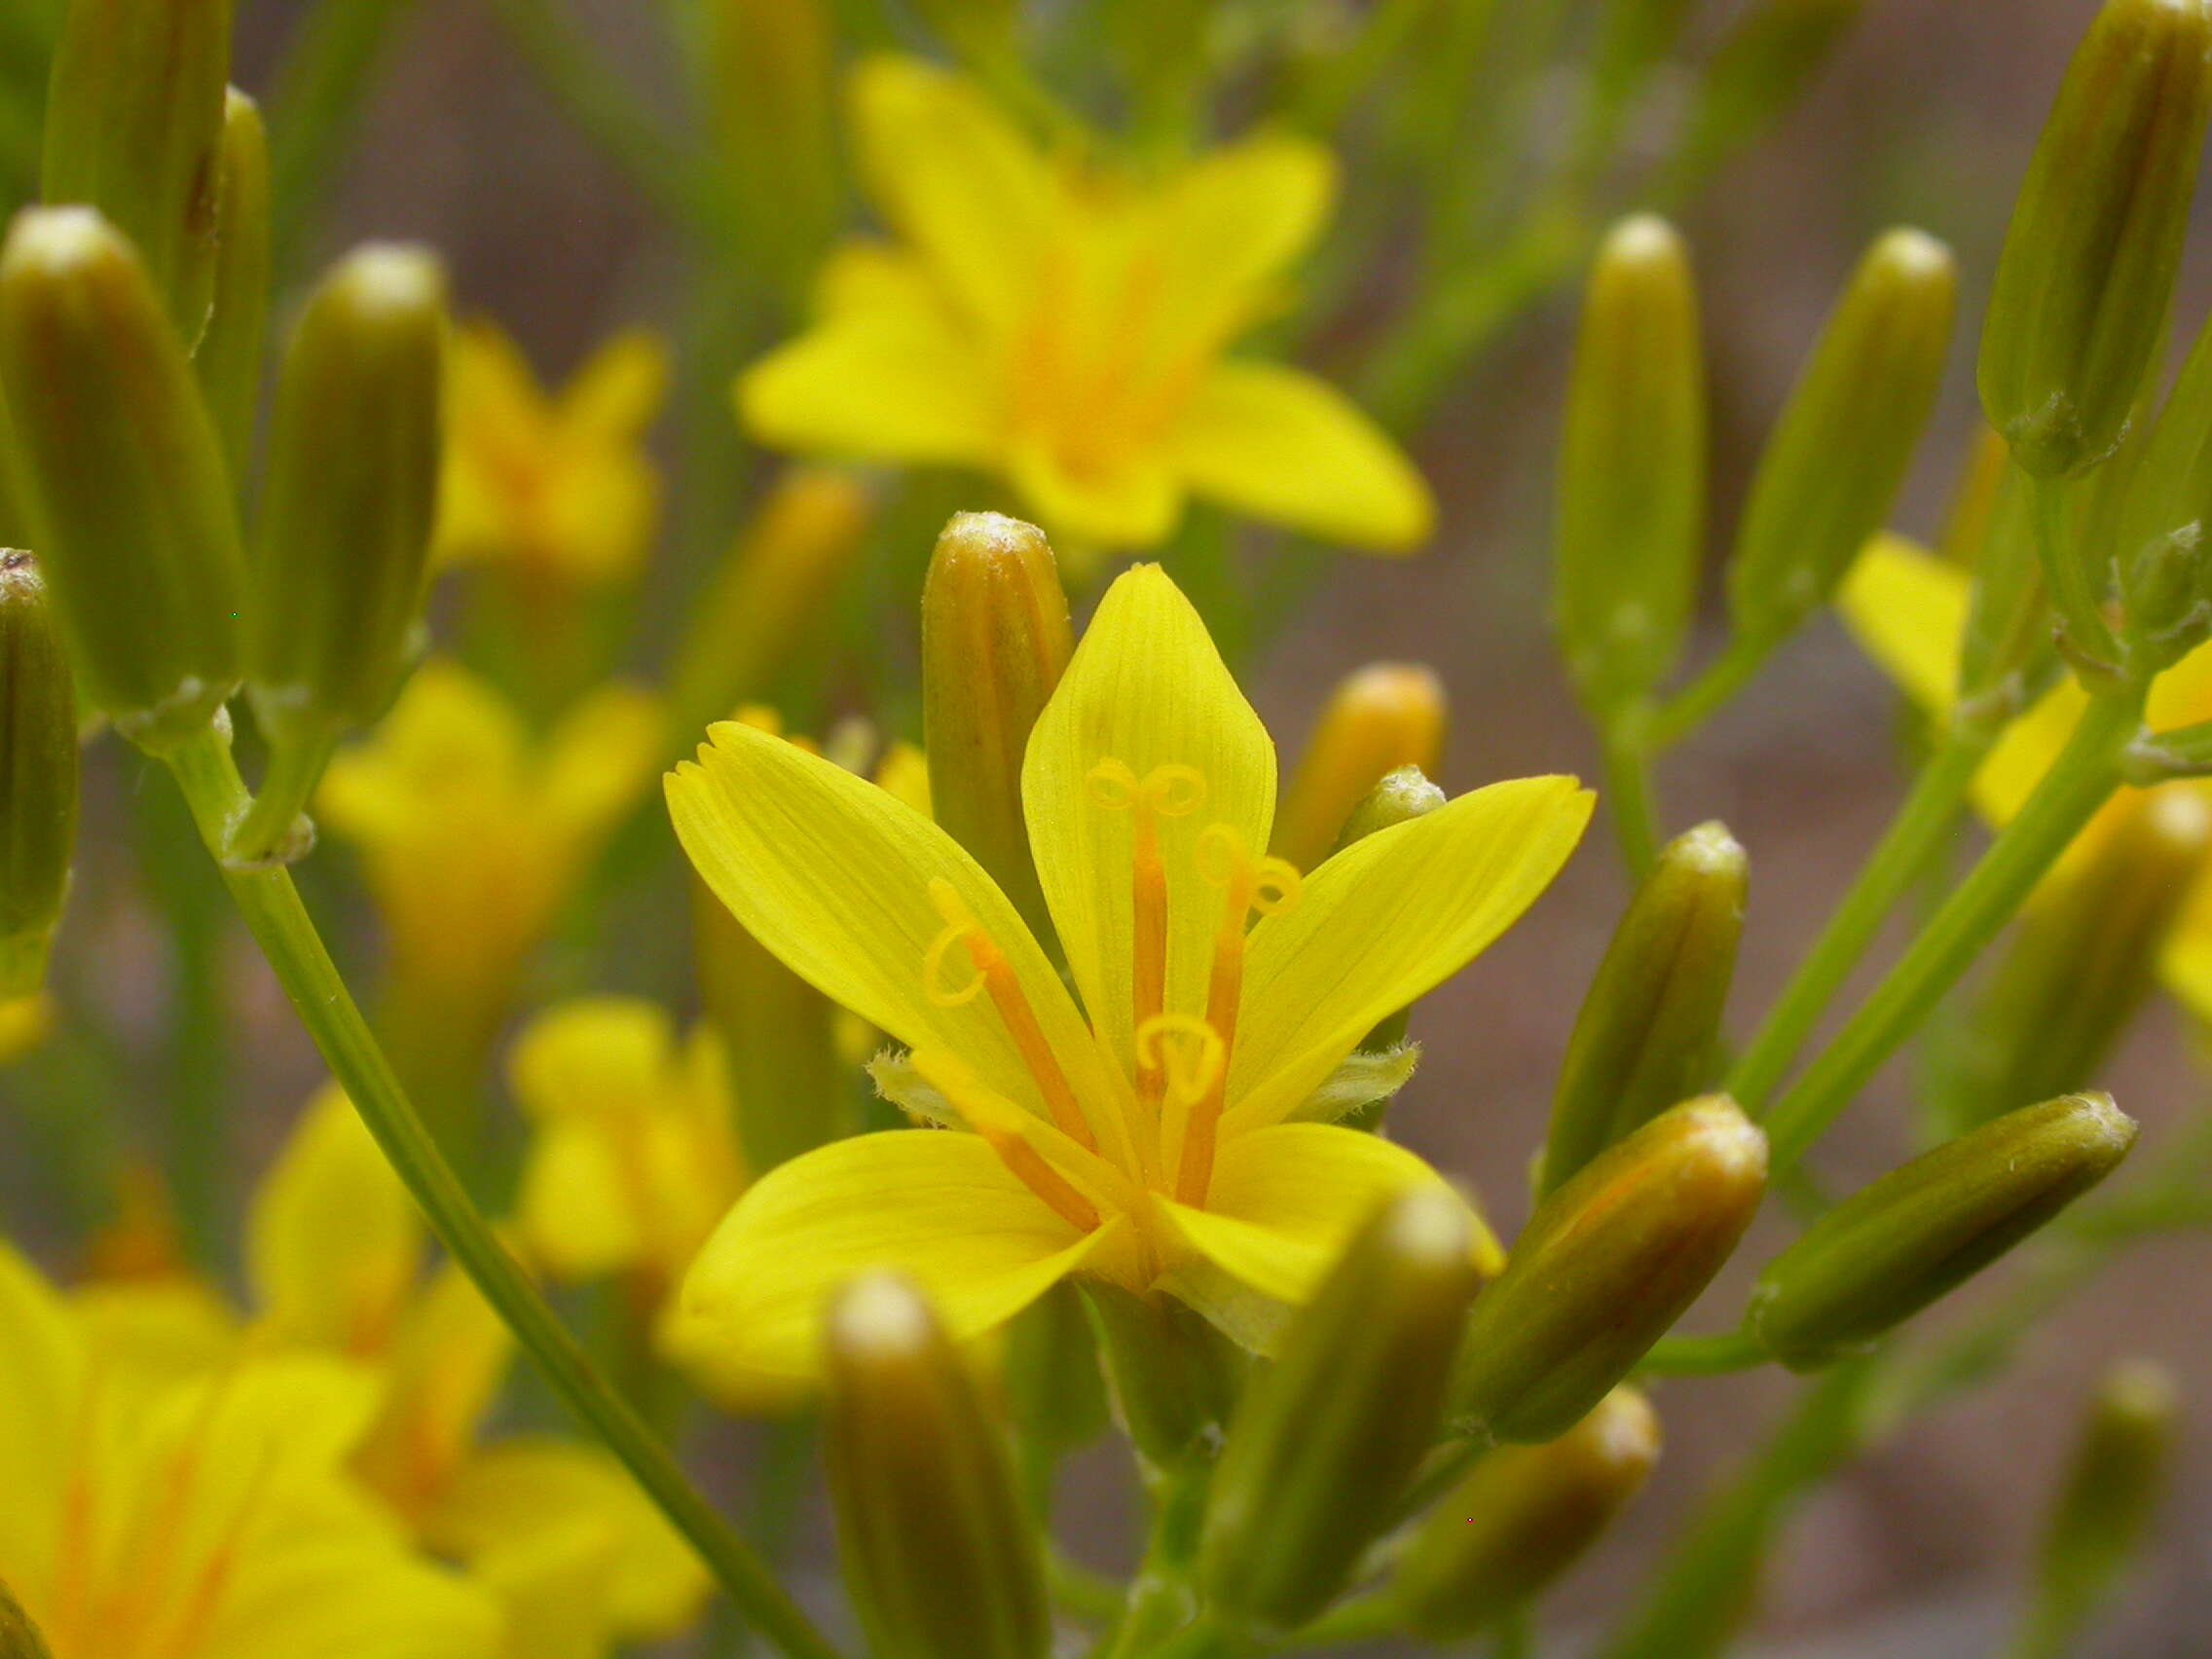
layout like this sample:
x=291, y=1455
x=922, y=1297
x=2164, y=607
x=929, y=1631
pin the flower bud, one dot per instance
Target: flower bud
x=2081, y=288
x=38, y=783
x=1839, y=451
x=766, y=599
x=2161, y=542
x=937, y=1551
x=1645, y=1037
x=1171, y=1376
x=2081, y=962
x=351, y=492
x=1383, y=716
x=2117, y=1480
x=995, y=641
x=1632, y=470
x=122, y=475
x=1895, y=1246
x=135, y=127
x=1324, y=1442
x=1756, y=72
x=1606, y=1266
x=229, y=358
x=1521, y=1519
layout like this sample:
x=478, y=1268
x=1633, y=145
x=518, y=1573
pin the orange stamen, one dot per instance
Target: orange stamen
x=1170, y=790
x=1006, y=1129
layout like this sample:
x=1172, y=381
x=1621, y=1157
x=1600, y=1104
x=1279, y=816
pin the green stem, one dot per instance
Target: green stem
x=1919, y=828
x=1704, y=1356
x=1697, y=702
x=287, y=936
x=1095, y=1597
x=2080, y=781
x=2074, y=590
x=270, y=827
x=1626, y=767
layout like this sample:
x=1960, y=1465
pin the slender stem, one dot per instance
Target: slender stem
x=2074, y=591
x=1626, y=767
x=1704, y=1356
x=1365, y=1618
x=2080, y=781
x=1921, y=825
x=1095, y=1597
x=287, y=936
x=270, y=829
x=1697, y=702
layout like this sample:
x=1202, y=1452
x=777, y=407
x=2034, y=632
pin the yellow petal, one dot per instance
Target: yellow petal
x=1386, y=920
x=1287, y=1199
x=1145, y=689
x=1908, y=610
x=575, y=1210
x=593, y=1058
x=2187, y=966
x=447, y=1366
x=2183, y=695
x=651, y=1584
x=957, y=180
x=1132, y=503
x=333, y=1242
x=157, y=1332
x=873, y=385
x=1279, y=444
x=1234, y=221
x=834, y=874
x=934, y=1204
x=41, y=1387
x=614, y=396
x=598, y=760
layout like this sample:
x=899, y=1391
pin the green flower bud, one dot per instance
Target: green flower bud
x=229, y=358
x=345, y=532
x=1896, y=1245
x=1758, y=70
x=122, y=475
x=1606, y=1266
x=135, y=127
x=1324, y=1442
x=2081, y=962
x=2161, y=527
x=1171, y=1376
x=2081, y=288
x=1839, y=451
x=1631, y=470
x=1644, y=1038
x=38, y=783
x=2113, y=1491
x=937, y=1553
x=1521, y=1519
x=1383, y=716
x=995, y=642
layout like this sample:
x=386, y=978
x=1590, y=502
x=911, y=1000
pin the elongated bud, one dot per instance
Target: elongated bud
x=779, y=1035
x=1385, y=715
x=2114, y=1488
x=229, y=358
x=1524, y=1516
x=937, y=1553
x=351, y=495
x=135, y=127
x=2162, y=545
x=38, y=780
x=1632, y=470
x=995, y=642
x=1645, y=1034
x=122, y=475
x=1895, y=1246
x=2081, y=962
x=1171, y=1376
x=1837, y=454
x=768, y=599
x=2007, y=654
x=2083, y=285
x=1760, y=69
x=772, y=76
x=1323, y=1444
x=1606, y=1266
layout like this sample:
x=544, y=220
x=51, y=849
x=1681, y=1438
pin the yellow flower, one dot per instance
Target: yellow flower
x=205, y=1516
x=335, y=1254
x=634, y=1158
x=1065, y=325
x=1161, y=1134
x=473, y=833
x=558, y=486
x=1908, y=611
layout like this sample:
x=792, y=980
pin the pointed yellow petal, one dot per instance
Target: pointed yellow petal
x=1234, y=222
x=1133, y=503
x=934, y=1204
x=1145, y=689
x=39, y=1389
x=1383, y=922
x=576, y=1213
x=593, y=1058
x=1287, y=1199
x=333, y=1242
x=2187, y=967
x=1908, y=610
x=1279, y=444
x=447, y=1364
x=957, y=180
x=2183, y=695
x=834, y=874
x=873, y=385
x=614, y=396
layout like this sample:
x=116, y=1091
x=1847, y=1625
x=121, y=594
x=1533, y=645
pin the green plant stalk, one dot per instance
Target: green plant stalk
x=2080, y=781
x=279, y=924
x=1626, y=767
x=1918, y=829
x=1704, y=1356
x=1705, y=695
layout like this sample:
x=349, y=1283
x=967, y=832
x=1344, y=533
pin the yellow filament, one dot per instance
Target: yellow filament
x=994, y=973
x=1169, y=791
x=1001, y=1127
x=1191, y=1068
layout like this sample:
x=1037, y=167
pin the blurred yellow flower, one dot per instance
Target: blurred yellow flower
x=1908, y=610
x=473, y=833
x=207, y=1516
x=24, y=1022
x=1066, y=323
x=1161, y=1135
x=634, y=1153
x=558, y=486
